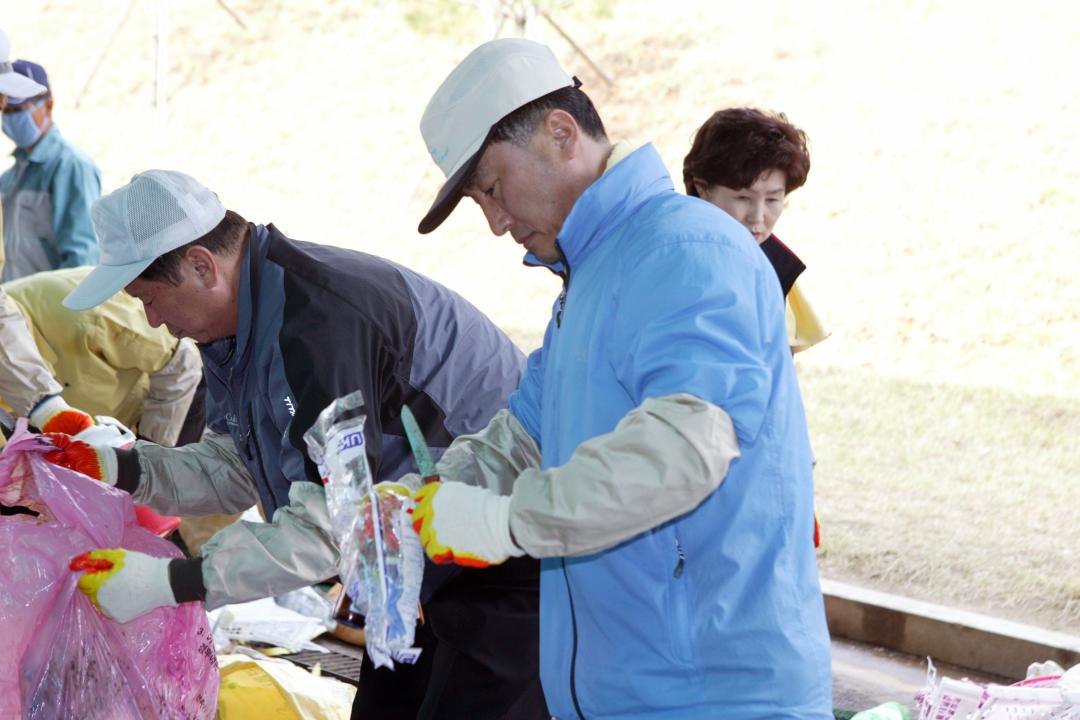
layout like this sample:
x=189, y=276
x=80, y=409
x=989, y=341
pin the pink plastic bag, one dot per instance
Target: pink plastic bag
x=59, y=657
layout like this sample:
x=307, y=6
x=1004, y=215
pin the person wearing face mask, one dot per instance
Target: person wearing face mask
x=746, y=162
x=48, y=192
x=27, y=384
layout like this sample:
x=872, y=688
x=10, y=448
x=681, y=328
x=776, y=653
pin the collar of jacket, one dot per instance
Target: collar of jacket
x=46, y=149
x=786, y=263
x=606, y=204
x=233, y=351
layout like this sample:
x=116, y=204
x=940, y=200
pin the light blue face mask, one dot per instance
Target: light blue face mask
x=20, y=126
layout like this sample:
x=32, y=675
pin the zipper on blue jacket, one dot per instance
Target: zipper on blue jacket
x=258, y=459
x=565, y=286
x=573, y=652
x=681, y=565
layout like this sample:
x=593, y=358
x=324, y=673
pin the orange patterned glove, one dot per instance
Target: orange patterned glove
x=97, y=463
x=463, y=524
x=53, y=415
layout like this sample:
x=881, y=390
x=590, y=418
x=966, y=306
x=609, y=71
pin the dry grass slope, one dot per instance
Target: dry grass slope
x=940, y=222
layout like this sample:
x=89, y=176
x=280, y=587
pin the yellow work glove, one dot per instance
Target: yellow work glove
x=53, y=415
x=464, y=524
x=124, y=584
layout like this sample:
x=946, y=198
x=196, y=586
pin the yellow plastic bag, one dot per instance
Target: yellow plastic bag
x=256, y=689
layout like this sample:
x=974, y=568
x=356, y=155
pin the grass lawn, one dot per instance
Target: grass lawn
x=940, y=221
x=953, y=495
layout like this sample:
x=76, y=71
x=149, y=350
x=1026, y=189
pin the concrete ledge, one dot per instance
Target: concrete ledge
x=971, y=640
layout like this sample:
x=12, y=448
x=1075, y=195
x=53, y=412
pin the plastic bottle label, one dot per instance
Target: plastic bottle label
x=348, y=452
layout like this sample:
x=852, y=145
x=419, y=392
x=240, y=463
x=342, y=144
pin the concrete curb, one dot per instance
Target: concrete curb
x=971, y=640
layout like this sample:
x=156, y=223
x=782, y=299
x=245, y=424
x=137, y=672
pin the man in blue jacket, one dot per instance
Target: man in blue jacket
x=284, y=328
x=655, y=453
x=48, y=192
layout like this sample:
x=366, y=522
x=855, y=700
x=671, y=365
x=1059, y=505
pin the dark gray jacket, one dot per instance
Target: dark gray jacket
x=315, y=323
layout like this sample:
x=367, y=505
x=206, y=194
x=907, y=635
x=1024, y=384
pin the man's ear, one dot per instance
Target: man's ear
x=702, y=187
x=205, y=265
x=564, y=131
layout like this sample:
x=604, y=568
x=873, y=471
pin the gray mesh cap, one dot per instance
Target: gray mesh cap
x=158, y=211
x=491, y=82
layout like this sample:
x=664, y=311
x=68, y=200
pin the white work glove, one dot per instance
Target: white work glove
x=464, y=524
x=107, y=432
x=54, y=415
x=124, y=584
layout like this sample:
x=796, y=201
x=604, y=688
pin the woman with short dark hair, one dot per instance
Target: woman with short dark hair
x=746, y=162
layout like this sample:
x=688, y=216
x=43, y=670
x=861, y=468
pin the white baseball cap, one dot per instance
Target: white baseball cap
x=490, y=83
x=158, y=211
x=12, y=83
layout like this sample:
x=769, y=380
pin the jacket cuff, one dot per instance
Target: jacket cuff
x=185, y=577
x=128, y=469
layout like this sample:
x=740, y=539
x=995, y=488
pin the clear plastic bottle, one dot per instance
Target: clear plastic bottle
x=382, y=561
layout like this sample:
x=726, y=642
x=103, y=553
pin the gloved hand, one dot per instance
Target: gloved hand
x=53, y=415
x=107, y=431
x=464, y=524
x=124, y=584
x=96, y=462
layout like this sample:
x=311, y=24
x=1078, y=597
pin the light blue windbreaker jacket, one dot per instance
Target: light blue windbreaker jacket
x=718, y=613
x=47, y=196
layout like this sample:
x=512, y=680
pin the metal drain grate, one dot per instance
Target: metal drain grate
x=342, y=662
x=341, y=667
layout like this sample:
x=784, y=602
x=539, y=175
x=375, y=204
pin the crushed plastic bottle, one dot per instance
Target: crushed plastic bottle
x=382, y=561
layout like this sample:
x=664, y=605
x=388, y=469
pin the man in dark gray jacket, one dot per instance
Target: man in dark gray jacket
x=285, y=327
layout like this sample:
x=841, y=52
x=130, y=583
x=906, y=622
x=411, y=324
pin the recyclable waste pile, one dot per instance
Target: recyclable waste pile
x=382, y=561
x=1047, y=693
